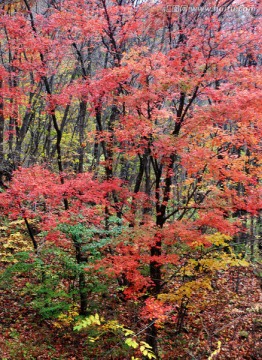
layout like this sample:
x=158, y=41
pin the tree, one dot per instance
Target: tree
x=160, y=112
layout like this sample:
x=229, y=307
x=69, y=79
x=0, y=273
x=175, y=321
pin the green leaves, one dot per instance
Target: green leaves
x=92, y=239
x=132, y=343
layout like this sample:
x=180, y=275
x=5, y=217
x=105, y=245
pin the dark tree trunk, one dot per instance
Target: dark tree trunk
x=2, y=124
x=81, y=129
x=81, y=280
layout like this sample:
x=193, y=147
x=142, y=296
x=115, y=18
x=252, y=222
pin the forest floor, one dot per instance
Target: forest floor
x=231, y=313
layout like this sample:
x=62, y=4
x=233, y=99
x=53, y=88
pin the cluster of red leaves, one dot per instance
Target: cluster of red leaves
x=39, y=193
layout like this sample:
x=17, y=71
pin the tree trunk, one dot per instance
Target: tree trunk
x=2, y=124
x=81, y=129
x=81, y=280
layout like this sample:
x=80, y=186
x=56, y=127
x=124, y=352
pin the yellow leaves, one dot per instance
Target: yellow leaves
x=189, y=269
x=212, y=265
x=90, y=320
x=112, y=326
x=221, y=260
x=146, y=350
x=66, y=320
x=16, y=5
x=14, y=239
x=216, y=352
x=238, y=262
x=17, y=222
x=221, y=263
x=132, y=343
x=144, y=347
x=14, y=243
x=7, y=258
x=128, y=332
x=187, y=290
x=134, y=55
x=94, y=319
x=218, y=239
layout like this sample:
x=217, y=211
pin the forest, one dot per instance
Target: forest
x=130, y=179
